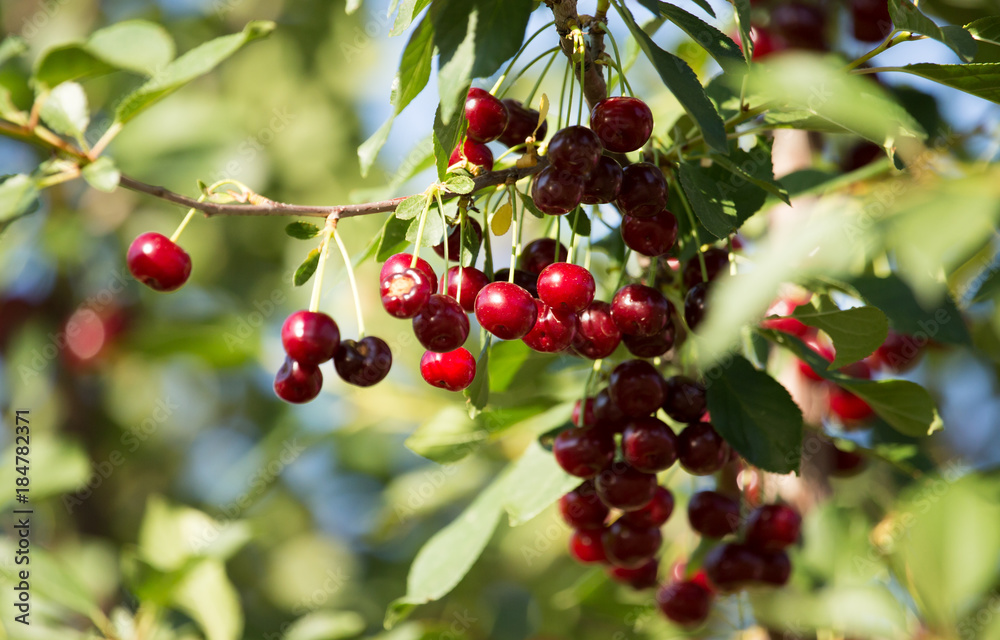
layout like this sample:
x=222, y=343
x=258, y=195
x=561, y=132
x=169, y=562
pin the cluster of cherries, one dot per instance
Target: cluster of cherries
x=782, y=25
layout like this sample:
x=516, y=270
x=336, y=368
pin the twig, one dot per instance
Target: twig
x=566, y=18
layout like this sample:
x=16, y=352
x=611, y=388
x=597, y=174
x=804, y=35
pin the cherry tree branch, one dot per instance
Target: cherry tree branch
x=566, y=18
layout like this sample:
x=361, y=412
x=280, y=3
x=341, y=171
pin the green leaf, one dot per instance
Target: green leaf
x=896, y=299
x=302, y=230
x=433, y=230
x=684, y=84
x=744, y=173
x=907, y=17
x=393, y=238
x=721, y=205
x=102, y=174
x=529, y=205
x=326, y=625
x=65, y=110
x=904, y=405
x=460, y=184
x=448, y=436
x=718, y=45
x=455, y=38
x=985, y=29
x=446, y=138
x=193, y=64
x=742, y=8
x=307, y=268
x=579, y=222
x=207, y=595
x=478, y=393
x=535, y=483
x=17, y=195
x=369, y=149
x=756, y=415
x=414, y=67
x=471, y=244
x=11, y=47
x=981, y=80
x=505, y=362
x=412, y=207
x=408, y=10
x=856, y=333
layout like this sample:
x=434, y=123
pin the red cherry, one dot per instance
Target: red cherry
x=686, y=604
x=846, y=463
x=799, y=26
x=713, y=515
x=606, y=413
x=441, y=326
x=716, y=263
x=521, y=123
x=556, y=191
x=597, y=336
x=310, y=337
x=898, y=353
x=636, y=387
x=363, y=363
x=589, y=417
x=506, y=310
x=566, y=286
x=157, y=262
x=653, y=236
x=871, y=20
x=453, y=371
x=472, y=280
x=640, y=310
x=764, y=42
x=525, y=280
x=651, y=346
x=621, y=486
x=793, y=326
x=487, y=116
x=643, y=577
x=731, y=566
x=631, y=547
x=777, y=568
x=848, y=407
x=455, y=239
x=694, y=305
x=581, y=508
x=623, y=124
x=587, y=547
x=475, y=153
x=773, y=527
x=654, y=514
x=404, y=294
x=583, y=452
x=603, y=183
x=576, y=150
x=540, y=253
x=701, y=450
x=649, y=444
x=553, y=330
x=401, y=262
x=684, y=399
x=644, y=190
x=297, y=383
x=824, y=351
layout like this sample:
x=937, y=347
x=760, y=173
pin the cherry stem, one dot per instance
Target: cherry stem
x=444, y=240
x=624, y=273
x=581, y=419
x=573, y=236
x=324, y=251
x=462, y=215
x=622, y=80
x=562, y=96
x=487, y=242
x=583, y=78
x=515, y=248
x=184, y=223
x=515, y=149
x=420, y=233
x=891, y=40
x=538, y=82
x=520, y=52
x=351, y=279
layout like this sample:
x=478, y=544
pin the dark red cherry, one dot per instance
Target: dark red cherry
x=606, y=413
x=644, y=190
x=566, y=286
x=441, y=326
x=603, y=183
x=686, y=604
x=800, y=26
x=455, y=239
x=521, y=122
x=557, y=191
x=540, y=253
x=652, y=346
x=401, y=262
x=644, y=577
x=581, y=508
x=453, y=371
x=310, y=337
x=772, y=527
x=472, y=282
x=587, y=546
x=731, y=566
x=636, y=387
x=575, y=149
x=405, y=293
x=623, y=124
x=589, y=417
x=649, y=444
x=621, y=486
x=684, y=399
x=297, y=383
x=846, y=463
x=553, y=330
x=158, y=262
x=597, y=336
x=777, y=568
x=363, y=363
x=870, y=20
x=584, y=452
x=898, y=353
x=716, y=262
x=713, y=515
x=653, y=236
x=475, y=153
x=654, y=514
x=525, y=280
x=860, y=154
x=701, y=450
x=506, y=310
x=487, y=116
x=849, y=408
x=694, y=305
x=640, y=310
x=631, y=547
